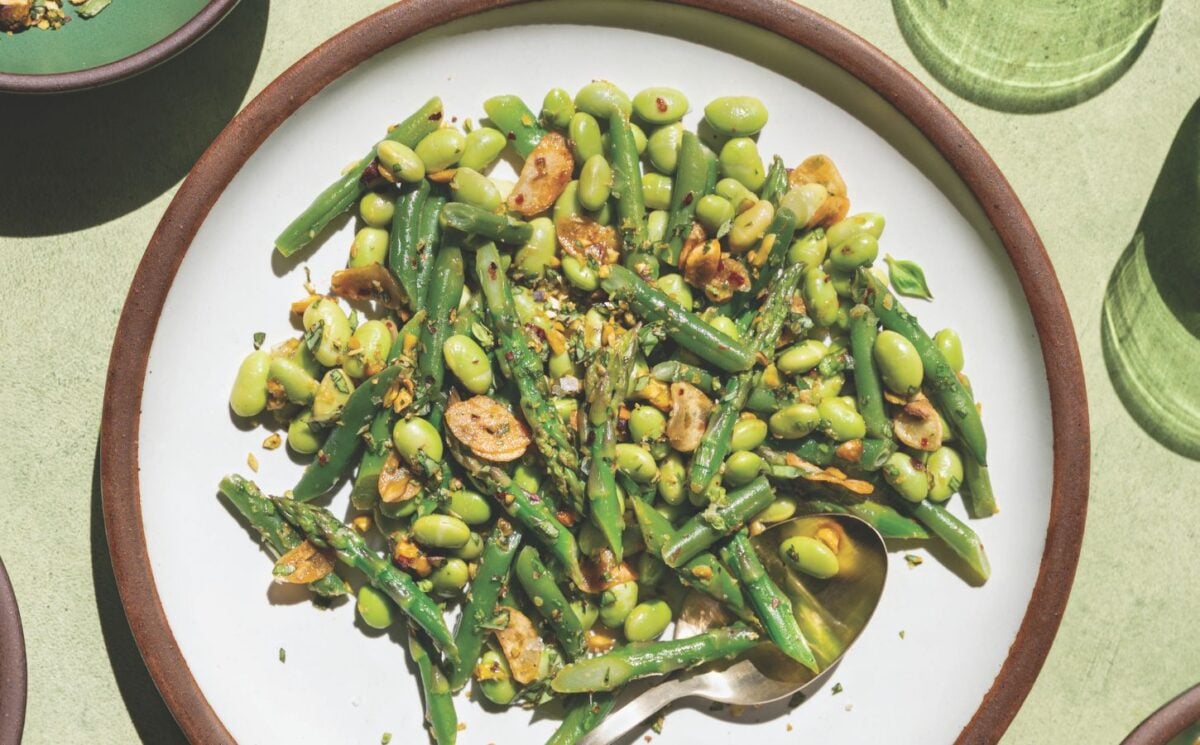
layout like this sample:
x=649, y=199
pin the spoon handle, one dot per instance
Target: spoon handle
x=640, y=708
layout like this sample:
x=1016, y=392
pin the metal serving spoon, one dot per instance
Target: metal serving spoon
x=832, y=613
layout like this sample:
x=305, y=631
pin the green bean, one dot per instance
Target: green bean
x=627, y=183
x=378, y=438
x=952, y=532
x=402, y=248
x=702, y=531
x=335, y=456
x=512, y=117
x=693, y=180
x=439, y=701
x=444, y=294
x=338, y=197
x=885, y=519
x=773, y=607
x=277, y=535
x=584, y=714
x=482, y=148
x=428, y=240
x=867, y=384
x=638, y=660
x=776, y=182
x=491, y=577
x=543, y=592
x=977, y=494
x=943, y=385
x=684, y=328
x=326, y=530
x=475, y=221
x=707, y=459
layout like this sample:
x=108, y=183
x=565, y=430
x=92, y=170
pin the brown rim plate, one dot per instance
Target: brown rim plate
x=214, y=171
x=1169, y=722
x=12, y=665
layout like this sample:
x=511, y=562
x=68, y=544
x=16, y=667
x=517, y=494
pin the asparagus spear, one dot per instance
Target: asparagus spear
x=321, y=526
x=641, y=659
x=278, y=536
x=584, y=714
x=490, y=580
x=439, y=701
x=606, y=381
x=706, y=528
x=543, y=592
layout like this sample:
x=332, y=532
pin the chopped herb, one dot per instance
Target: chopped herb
x=908, y=278
x=339, y=381
x=312, y=337
x=353, y=321
x=387, y=737
x=901, y=634
x=259, y=338
x=837, y=688
x=282, y=654
x=658, y=724
x=913, y=560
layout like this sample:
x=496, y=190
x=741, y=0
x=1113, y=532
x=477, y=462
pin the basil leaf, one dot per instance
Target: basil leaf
x=312, y=337
x=908, y=279
x=259, y=338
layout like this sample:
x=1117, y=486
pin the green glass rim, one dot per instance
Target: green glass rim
x=153, y=55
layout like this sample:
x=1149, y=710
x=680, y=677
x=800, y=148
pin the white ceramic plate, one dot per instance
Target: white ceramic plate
x=919, y=672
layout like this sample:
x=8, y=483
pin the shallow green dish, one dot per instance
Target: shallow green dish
x=128, y=37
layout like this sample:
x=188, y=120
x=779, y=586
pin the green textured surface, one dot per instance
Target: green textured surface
x=1084, y=174
x=123, y=28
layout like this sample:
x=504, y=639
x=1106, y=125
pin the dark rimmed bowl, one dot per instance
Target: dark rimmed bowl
x=12, y=665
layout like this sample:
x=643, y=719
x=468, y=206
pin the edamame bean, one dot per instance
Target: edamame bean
x=726, y=325
x=647, y=424
x=376, y=209
x=742, y=467
x=858, y=250
x=440, y=531
x=472, y=187
x=809, y=249
x=810, y=556
x=298, y=385
x=674, y=287
x=840, y=420
x=591, y=540
x=585, y=137
x=601, y=98
x=738, y=195
x=800, y=358
x=748, y=433
x=863, y=222
x=663, y=147
x=945, y=469
x=374, y=607
x=777, y=511
x=370, y=246
x=651, y=571
x=567, y=205
x=528, y=476
x=671, y=480
x=401, y=161
x=713, y=211
x=827, y=387
x=907, y=476
x=495, y=678
x=899, y=363
x=740, y=160
x=561, y=365
x=660, y=105
x=331, y=396
x=450, y=578
x=471, y=550
x=368, y=350
x=750, y=226
x=441, y=149
x=647, y=621
x=639, y=139
x=325, y=320
x=469, y=363
x=470, y=507
x=656, y=188
x=249, y=394
x=595, y=183
x=414, y=435
x=736, y=116
x=580, y=275
x=794, y=421
x=616, y=602
x=656, y=225
x=534, y=256
x=674, y=513
x=302, y=438
x=636, y=462
x=948, y=343
x=557, y=108
x=820, y=297
x=482, y=147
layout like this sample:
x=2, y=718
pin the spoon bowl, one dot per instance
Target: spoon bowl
x=832, y=613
